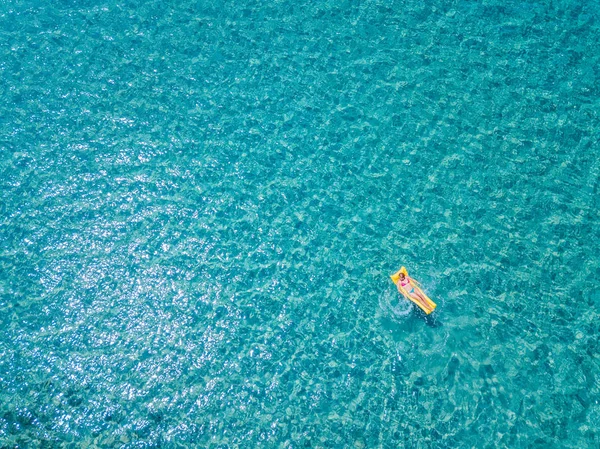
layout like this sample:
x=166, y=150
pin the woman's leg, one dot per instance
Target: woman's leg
x=420, y=295
x=420, y=299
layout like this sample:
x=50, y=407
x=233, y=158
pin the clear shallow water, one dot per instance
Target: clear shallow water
x=201, y=205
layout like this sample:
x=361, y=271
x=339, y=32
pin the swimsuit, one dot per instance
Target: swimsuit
x=412, y=289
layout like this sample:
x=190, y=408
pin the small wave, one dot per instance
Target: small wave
x=393, y=305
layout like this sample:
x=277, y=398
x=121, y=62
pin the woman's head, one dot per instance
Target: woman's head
x=401, y=276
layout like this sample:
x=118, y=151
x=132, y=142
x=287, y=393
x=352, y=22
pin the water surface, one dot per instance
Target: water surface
x=202, y=203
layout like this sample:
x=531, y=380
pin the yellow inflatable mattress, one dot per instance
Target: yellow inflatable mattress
x=427, y=306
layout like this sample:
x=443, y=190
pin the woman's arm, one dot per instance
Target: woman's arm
x=413, y=280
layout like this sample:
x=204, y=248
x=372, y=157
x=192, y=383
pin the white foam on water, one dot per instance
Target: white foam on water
x=394, y=306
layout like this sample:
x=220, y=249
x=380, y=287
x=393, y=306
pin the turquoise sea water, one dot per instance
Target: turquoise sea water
x=201, y=204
